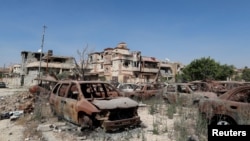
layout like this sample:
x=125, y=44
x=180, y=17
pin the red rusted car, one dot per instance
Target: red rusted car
x=231, y=108
x=93, y=104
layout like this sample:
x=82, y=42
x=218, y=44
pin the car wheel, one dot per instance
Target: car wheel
x=223, y=120
x=85, y=122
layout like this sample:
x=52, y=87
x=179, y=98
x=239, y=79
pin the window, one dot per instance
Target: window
x=62, y=90
x=73, y=92
x=126, y=63
x=242, y=96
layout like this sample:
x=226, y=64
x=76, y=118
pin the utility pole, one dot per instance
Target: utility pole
x=41, y=51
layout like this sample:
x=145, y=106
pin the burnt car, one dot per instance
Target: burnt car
x=185, y=94
x=44, y=86
x=231, y=108
x=145, y=91
x=220, y=87
x=201, y=86
x=92, y=104
x=126, y=87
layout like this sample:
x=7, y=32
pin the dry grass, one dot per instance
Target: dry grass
x=164, y=122
x=188, y=123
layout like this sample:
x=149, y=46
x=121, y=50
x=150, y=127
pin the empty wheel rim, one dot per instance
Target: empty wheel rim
x=223, y=123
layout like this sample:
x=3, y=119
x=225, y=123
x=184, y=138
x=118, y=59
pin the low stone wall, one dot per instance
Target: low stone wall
x=15, y=82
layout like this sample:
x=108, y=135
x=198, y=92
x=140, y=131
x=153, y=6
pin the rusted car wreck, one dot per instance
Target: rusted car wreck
x=92, y=104
x=218, y=87
x=185, y=94
x=231, y=108
x=145, y=91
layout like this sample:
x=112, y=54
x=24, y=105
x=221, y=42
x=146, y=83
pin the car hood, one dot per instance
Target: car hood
x=121, y=102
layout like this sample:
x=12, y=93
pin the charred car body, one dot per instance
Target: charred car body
x=93, y=104
x=218, y=87
x=145, y=91
x=184, y=94
x=127, y=87
x=231, y=108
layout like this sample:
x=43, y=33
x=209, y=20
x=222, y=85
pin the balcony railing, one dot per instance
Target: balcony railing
x=155, y=70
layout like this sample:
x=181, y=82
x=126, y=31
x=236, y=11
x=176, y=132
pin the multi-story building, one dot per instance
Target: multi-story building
x=37, y=63
x=31, y=63
x=112, y=64
x=119, y=64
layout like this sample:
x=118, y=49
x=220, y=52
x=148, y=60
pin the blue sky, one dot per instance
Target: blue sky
x=180, y=30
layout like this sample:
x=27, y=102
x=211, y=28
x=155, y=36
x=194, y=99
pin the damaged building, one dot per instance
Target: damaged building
x=121, y=65
x=32, y=66
x=112, y=64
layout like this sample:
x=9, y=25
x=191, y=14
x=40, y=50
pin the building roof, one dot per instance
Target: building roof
x=50, y=65
x=150, y=59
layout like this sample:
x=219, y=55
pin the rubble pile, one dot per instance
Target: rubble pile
x=16, y=104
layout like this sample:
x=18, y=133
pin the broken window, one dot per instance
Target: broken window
x=73, y=92
x=242, y=96
x=62, y=90
x=126, y=63
x=90, y=59
x=86, y=90
x=98, y=91
x=170, y=88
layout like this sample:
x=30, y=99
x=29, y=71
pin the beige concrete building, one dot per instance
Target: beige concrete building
x=31, y=63
x=119, y=64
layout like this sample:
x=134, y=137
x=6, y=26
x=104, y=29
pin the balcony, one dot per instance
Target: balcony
x=107, y=62
x=135, y=68
x=154, y=70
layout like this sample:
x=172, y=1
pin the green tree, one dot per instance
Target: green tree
x=246, y=74
x=225, y=72
x=206, y=69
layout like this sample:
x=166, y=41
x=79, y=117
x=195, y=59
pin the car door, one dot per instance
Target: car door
x=69, y=102
x=171, y=94
x=153, y=90
x=239, y=106
x=56, y=98
x=62, y=100
x=185, y=95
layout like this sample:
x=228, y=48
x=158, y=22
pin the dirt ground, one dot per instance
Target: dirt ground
x=155, y=127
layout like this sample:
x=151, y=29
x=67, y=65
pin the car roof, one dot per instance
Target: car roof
x=82, y=81
x=229, y=93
